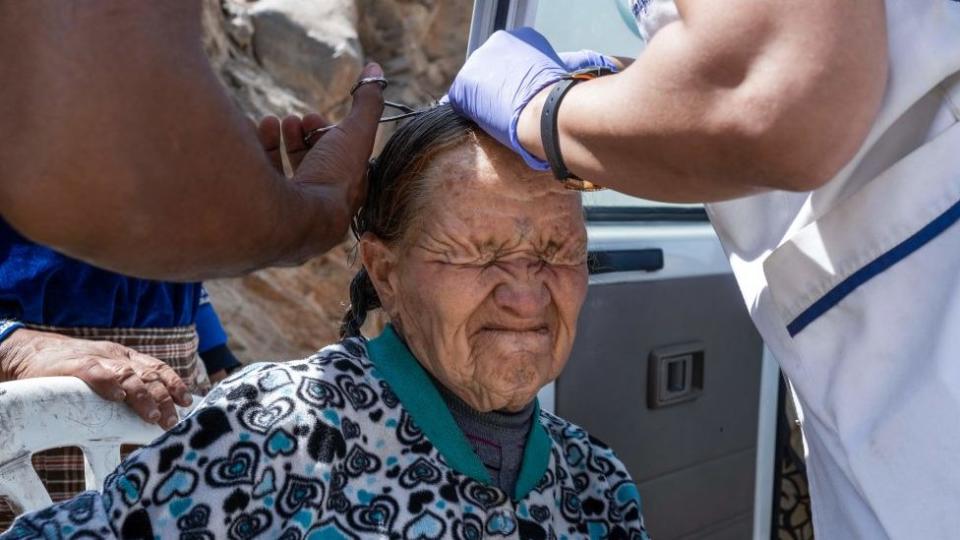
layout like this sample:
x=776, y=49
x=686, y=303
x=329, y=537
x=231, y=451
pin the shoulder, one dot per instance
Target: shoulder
x=333, y=383
x=304, y=378
x=585, y=456
x=581, y=450
x=563, y=432
x=595, y=471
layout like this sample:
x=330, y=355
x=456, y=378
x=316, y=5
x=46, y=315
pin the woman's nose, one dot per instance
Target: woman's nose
x=525, y=297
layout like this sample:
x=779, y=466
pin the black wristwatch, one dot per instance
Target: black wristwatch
x=550, y=136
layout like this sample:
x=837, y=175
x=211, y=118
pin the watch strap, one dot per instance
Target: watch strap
x=549, y=134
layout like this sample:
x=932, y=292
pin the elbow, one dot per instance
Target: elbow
x=810, y=177
x=797, y=167
x=804, y=160
x=801, y=136
x=799, y=150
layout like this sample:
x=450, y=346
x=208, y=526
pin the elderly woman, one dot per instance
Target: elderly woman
x=431, y=430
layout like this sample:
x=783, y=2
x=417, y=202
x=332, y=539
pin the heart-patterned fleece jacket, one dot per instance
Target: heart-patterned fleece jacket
x=353, y=442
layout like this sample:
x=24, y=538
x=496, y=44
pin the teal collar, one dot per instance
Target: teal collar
x=394, y=362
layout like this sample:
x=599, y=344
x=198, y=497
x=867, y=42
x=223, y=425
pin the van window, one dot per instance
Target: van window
x=572, y=25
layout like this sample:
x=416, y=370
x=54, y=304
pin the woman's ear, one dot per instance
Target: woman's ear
x=380, y=261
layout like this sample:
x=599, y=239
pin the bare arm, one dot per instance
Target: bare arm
x=737, y=97
x=119, y=147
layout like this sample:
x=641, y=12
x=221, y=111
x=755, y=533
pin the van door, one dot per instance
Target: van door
x=668, y=368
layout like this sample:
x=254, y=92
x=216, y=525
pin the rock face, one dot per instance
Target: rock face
x=310, y=47
x=295, y=56
x=420, y=44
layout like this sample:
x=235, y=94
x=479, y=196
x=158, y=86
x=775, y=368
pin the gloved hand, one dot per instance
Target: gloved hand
x=577, y=60
x=504, y=74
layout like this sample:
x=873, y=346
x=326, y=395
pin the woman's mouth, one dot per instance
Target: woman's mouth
x=518, y=329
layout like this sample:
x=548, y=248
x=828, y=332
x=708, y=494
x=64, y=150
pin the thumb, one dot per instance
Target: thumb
x=340, y=157
x=360, y=125
x=577, y=60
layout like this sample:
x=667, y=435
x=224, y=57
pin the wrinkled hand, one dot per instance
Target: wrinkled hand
x=114, y=372
x=504, y=74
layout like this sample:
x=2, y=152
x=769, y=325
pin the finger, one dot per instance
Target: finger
x=168, y=377
x=577, y=60
x=355, y=134
x=164, y=385
x=160, y=394
x=366, y=109
x=358, y=131
x=139, y=397
x=100, y=379
x=293, y=142
x=268, y=132
x=312, y=122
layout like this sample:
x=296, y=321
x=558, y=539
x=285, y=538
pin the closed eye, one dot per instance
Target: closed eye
x=564, y=260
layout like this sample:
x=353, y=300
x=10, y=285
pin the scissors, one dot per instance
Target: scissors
x=405, y=110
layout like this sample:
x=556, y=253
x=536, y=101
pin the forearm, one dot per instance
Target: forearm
x=183, y=231
x=731, y=101
x=123, y=150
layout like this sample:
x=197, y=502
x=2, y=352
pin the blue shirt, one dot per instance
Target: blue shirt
x=41, y=286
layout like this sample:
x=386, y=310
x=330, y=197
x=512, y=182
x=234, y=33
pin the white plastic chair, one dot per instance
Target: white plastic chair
x=53, y=412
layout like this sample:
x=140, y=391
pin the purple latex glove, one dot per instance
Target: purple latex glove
x=504, y=74
x=577, y=60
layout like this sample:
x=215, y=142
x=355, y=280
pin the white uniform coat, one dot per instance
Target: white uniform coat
x=855, y=287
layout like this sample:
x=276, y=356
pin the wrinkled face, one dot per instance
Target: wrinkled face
x=487, y=288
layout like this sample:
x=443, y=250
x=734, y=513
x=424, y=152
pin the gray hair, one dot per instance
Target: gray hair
x=395, y=193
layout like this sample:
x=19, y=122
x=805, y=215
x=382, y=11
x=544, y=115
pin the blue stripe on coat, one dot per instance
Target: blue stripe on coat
x=874, y=268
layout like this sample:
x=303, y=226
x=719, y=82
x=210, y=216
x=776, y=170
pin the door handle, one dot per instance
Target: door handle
x=631, y=260
x=675, y=375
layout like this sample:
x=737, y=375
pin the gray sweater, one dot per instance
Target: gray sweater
x=498, y=437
